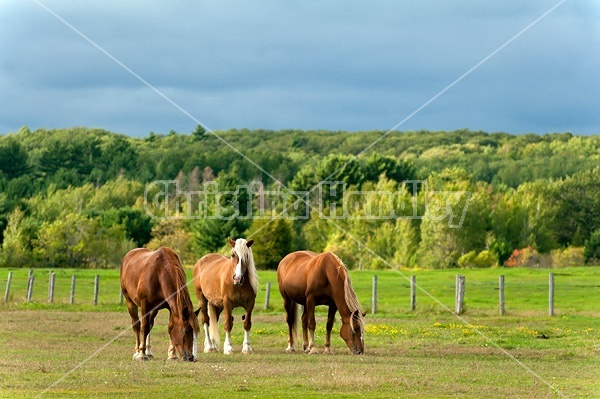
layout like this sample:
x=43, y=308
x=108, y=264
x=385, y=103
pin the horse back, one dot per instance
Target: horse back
x=141, y=270
x=209, y=273
x=304, y=273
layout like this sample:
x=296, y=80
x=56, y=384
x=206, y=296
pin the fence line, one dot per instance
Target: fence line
x=459, y=305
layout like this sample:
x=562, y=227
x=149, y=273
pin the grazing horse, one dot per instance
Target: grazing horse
x=154, y=280
x=223, y=283
x=309, y=279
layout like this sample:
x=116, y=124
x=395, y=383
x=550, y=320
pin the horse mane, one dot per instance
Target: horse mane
x=350, y=295
x=245, y=252
x=182, y=295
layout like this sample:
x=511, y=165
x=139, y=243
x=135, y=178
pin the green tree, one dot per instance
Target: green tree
x=15, y=251
x=273, y=239
x=199, y=133
x=14, y=160
x=578, y=210
x=137, y=224
x=591, y=252
x=397, y=170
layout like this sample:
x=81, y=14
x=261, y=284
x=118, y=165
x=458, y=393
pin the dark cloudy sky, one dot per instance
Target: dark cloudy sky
x=321, y=64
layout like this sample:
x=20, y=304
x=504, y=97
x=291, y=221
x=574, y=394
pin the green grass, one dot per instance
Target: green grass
x=88, y=354
x=85, y=350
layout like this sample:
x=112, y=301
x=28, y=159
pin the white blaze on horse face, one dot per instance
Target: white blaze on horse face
x=237, y=275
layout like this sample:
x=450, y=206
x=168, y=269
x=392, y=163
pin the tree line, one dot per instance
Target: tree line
x=78, y=197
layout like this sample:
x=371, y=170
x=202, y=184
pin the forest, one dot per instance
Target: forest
x=83, y=197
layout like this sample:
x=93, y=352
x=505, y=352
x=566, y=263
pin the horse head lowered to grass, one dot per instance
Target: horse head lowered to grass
x=154, y=280
x=311, y=279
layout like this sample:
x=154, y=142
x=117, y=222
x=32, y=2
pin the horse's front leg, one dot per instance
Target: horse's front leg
x=135, y=325
x=145, y=331
x=151, y=324
x=246, y=347
x=227, y=347
x=172, y=351
x=329, y=327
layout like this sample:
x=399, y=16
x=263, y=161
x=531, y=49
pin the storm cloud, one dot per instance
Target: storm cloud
x=339, y=65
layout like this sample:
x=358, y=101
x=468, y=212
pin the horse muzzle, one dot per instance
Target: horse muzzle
x=238, y=281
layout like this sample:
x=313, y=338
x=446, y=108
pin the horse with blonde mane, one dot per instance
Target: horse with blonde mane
x=310, y=279
x=223, y=283
x=154, y=280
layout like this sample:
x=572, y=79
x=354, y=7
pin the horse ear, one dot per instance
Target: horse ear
x=249, y=243
x=364, y=313
x=185, y=313
x=197, y=312
x=356, y=315
x=231, y=242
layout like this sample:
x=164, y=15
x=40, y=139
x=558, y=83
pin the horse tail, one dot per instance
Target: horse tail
x=213, y=324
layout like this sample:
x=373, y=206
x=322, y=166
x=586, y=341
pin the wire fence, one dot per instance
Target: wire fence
x=387, y=293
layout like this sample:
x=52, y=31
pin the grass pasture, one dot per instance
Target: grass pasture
x=58, y=350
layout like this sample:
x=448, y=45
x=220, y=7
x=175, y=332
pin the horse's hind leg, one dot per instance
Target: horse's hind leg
x=290, y=318
x=209, y=344
x=135, y=325
x=308, y=320
x=304, y=329
x=144, y=332
x=246, y=347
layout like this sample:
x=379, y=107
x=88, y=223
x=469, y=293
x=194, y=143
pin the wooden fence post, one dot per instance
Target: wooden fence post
x=51, y=282
x=267, y=295
x=7, y=292
x=551, y=294
x=374, y=296
x=73, y=280
x=501, y=294
x=413, y=293
x=459, y=296
x=96, y=287
x=29, y=282
x=30, y=287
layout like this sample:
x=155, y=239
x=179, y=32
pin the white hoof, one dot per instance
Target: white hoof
x=228, y=351
x=247, y=350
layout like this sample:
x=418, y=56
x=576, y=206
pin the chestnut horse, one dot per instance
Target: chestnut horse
x=154, y=280
x=223, y=283
x=310, y=280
